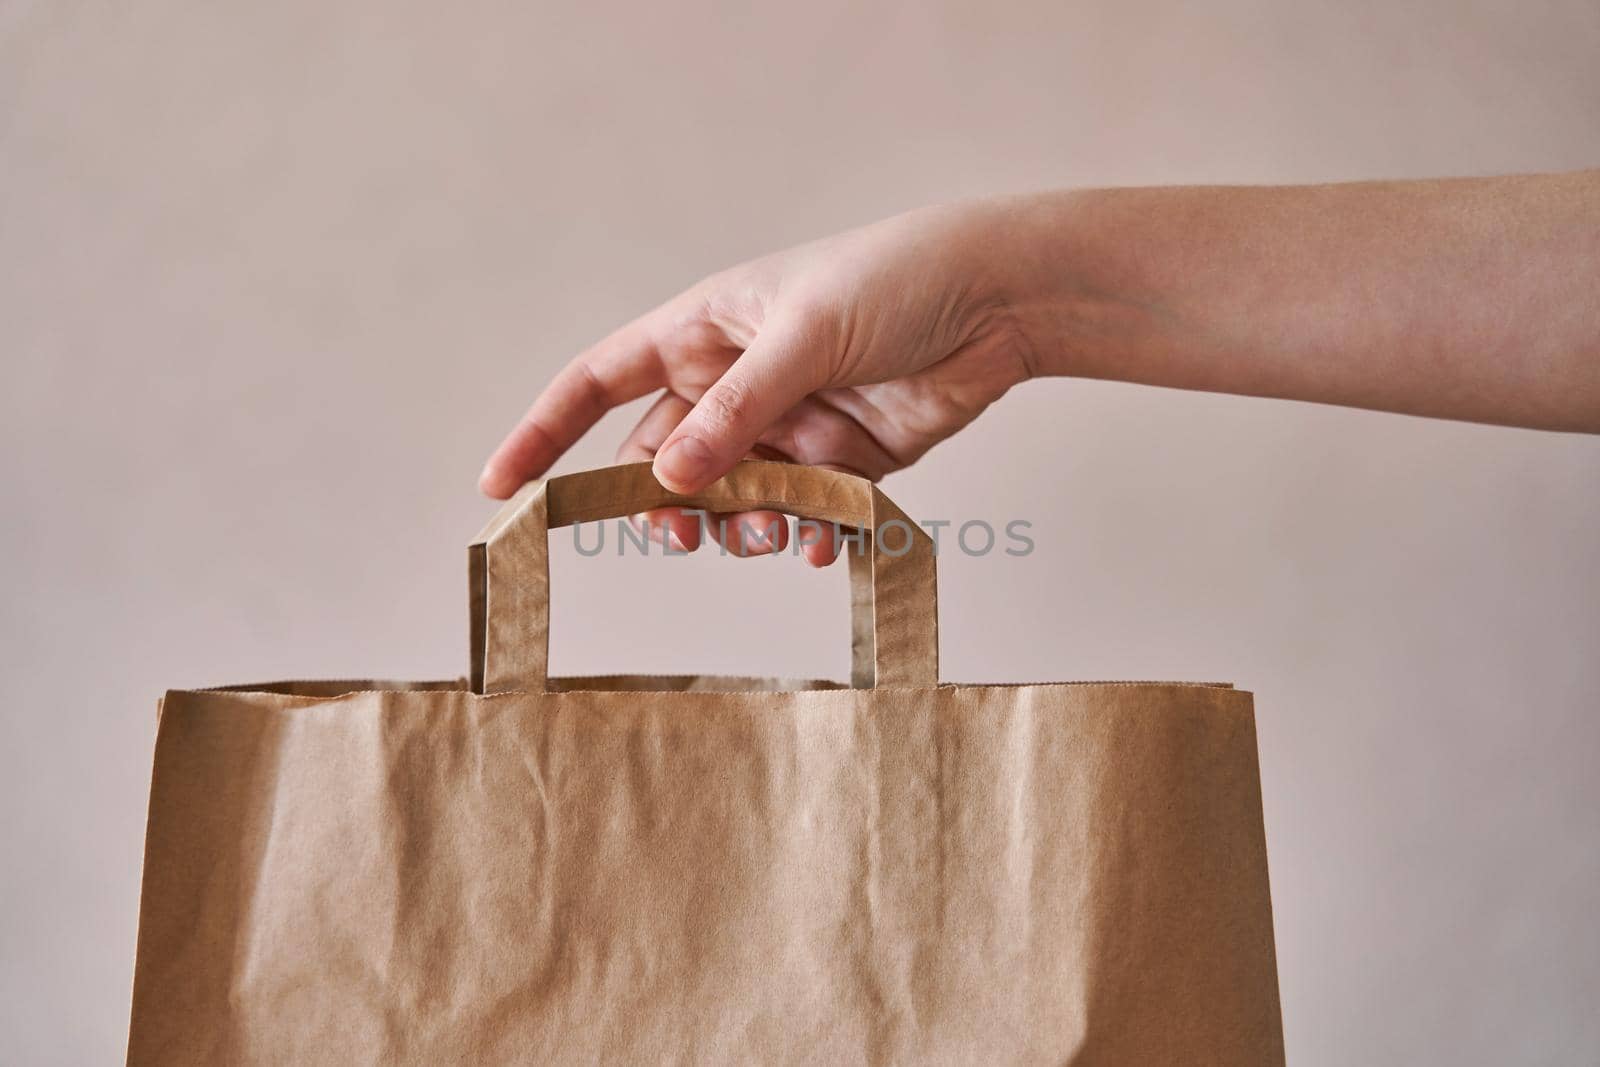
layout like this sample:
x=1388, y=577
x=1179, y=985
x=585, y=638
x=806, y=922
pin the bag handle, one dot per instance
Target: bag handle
x=894, y=632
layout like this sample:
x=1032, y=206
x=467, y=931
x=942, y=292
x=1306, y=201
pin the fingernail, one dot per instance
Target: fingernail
x=684, y=464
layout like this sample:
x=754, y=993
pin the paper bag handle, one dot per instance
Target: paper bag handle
x=894, y=633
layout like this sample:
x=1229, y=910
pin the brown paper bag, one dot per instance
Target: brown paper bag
x=699, y=870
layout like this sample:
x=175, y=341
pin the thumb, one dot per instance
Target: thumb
x=779, y=369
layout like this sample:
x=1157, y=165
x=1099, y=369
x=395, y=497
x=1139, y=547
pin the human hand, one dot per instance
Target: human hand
x=859, y=353
x=1464, y=299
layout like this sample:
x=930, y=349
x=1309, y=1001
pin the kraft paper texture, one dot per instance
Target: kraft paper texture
x=523, y=869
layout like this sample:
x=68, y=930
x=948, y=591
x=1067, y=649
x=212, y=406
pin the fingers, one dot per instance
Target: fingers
x=640, y=445
x=623, y=367
x=814, y=432
x=743, y=534
x=821, y=545
x=818, y=544
x=750, y=533
x=779, y=368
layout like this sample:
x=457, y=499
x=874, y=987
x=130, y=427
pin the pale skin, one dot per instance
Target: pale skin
x=1474, y=299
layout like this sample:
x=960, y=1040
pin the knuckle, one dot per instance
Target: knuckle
x=724, y=408
x=591, y=390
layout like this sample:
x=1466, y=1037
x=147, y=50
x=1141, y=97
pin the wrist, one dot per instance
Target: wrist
x=1066, y=290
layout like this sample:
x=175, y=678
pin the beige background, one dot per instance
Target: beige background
x=275, y=279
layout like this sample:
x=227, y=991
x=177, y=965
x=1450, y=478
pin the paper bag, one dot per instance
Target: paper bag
x=525, y=869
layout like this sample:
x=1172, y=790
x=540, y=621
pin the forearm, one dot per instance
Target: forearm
x=1470, y=299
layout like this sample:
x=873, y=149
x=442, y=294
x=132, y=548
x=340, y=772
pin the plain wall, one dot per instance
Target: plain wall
x=274, y=278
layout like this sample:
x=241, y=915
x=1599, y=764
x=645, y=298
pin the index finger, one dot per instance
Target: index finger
x=623, y=367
